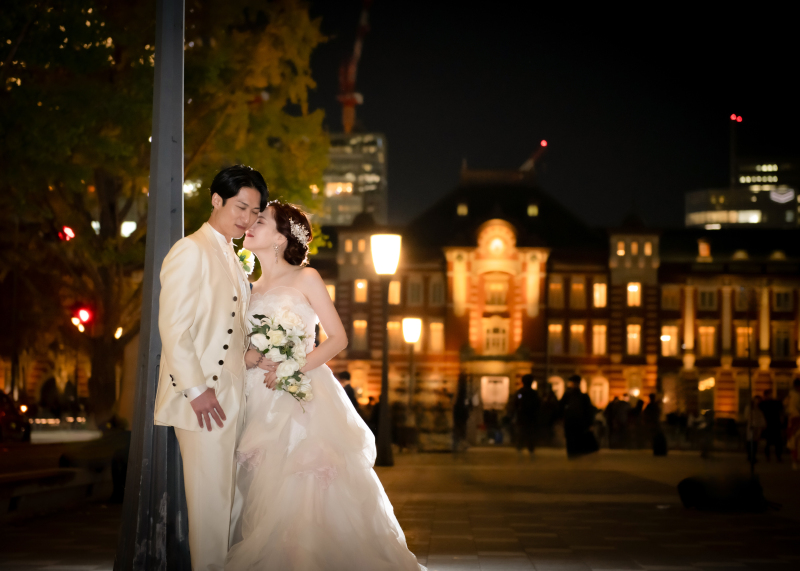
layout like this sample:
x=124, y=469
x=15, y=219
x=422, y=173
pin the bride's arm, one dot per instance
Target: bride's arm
x=314, y=289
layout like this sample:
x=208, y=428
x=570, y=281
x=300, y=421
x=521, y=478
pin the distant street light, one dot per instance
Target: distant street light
x=412, y=328
x=385, y=257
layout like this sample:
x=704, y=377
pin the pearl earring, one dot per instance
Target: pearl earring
x=275, y=246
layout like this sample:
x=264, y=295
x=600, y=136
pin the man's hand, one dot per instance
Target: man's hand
x=206, y=407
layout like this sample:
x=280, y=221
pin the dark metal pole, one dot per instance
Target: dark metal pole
x=154, y=532
x=384, y=444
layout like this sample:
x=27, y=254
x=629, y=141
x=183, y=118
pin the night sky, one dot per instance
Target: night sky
x=634, y=105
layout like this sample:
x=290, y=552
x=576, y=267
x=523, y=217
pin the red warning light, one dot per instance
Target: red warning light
x=84, y=315
x=733, y=117
x=544, y=143
x=738, y=118
x=66, y=234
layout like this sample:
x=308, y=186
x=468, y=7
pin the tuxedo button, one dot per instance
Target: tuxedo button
x=230, y=331
x=233, y=314
x=214, y=377
x=235, y=298
x=221, y=362
x=225, y=347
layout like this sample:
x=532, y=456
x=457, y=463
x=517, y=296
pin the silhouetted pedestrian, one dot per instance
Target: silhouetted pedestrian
x=578, y=413
x=461, y=408
x=651, y=417
x=344, y=379
x=755, y=425
x=525, y=412
x=773, y=433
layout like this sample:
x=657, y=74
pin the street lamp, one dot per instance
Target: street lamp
x=385, y=257
x=412, y=328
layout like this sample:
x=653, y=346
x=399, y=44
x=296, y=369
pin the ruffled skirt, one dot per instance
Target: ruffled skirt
x=311, y=498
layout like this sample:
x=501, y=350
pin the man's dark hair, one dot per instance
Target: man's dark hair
x=527, y=381
x=229, y=181
x=344, y=376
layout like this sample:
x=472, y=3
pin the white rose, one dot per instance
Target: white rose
x=289, y=320
x=275, y=355
x=298, y=331
x=292, y=389
x=260, y=341
x=305, y=388
x=276, y=337
x=308, y=397
x=287, y=368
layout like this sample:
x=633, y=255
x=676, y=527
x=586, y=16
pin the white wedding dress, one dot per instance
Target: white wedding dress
x=311, y=498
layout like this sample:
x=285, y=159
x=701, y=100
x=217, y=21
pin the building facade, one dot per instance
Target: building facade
x=355, y=180
x=508, y=282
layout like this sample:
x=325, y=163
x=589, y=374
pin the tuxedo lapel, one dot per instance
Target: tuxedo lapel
x=218, y=254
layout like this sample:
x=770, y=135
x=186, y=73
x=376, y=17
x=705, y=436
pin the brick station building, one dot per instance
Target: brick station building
x=507, y=281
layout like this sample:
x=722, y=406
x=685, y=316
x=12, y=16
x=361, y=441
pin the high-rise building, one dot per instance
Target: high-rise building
x=355, y=180
x=766, y=194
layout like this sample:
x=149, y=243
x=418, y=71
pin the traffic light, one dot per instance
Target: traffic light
x=66, y=234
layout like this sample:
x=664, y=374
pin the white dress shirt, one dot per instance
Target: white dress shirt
x=233, y=260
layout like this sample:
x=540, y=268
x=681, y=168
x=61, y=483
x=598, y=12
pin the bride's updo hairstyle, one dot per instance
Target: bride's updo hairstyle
x=288, y=215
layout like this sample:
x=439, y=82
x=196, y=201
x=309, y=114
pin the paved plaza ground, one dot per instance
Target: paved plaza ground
x=489, y=510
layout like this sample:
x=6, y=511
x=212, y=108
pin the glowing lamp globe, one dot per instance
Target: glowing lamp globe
x=385, y=253
x=412, y=328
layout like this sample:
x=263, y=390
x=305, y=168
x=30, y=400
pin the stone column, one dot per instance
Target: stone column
x=688, y=327
x=763, y=330
x=726, y=358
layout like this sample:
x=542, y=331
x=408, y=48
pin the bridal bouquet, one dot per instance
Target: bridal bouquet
x=280, y=339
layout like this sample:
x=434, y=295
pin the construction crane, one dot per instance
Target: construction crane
x=348, y=96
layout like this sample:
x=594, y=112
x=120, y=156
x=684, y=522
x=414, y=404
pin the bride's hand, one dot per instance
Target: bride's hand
x=271, y=378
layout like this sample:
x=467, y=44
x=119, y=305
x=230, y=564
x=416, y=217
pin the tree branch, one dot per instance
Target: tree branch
x=204, y=142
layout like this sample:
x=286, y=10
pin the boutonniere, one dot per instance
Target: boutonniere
x=248, y=260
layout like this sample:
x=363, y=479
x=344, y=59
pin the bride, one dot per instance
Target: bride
x=311, y=498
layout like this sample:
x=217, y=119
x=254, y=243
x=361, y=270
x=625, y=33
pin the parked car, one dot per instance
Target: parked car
x=14, y=423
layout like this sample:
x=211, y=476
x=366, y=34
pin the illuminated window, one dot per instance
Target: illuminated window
x=598, y=339
x=395, y=333
x=348, y=245
x=360, y=288
x=782, y=300
x=495, y=336
x=462, y=209
x=554, y=338
x=707, y=299
x=634, y=339
x=362, y=245
x=634, y=248
x=533, y=210
x=555, y=298
x=437, y=291
x=331, y=291
x=496, y=246
x=745, y=344
x=707, y=338
x=359, y=340
x=620, y=248
x=496, y=292
x=599, y=294
x=669, y=340
x=634, y=294
x=338, y=188
x=577, y=341
x=577, y=293
x=415, y=290
x=703, y=249
x=394, y=292
x=648, y=248
x=671, y=298
x=436, y=341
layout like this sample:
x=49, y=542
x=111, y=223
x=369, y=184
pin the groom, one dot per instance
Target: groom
x=202, y=307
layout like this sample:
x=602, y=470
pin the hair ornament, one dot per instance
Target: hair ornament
x=299, y=232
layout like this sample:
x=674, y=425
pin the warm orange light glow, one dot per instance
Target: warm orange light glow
x=412, y=329
x=23, y=408
x=84, y=315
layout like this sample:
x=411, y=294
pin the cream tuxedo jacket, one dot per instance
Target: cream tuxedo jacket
x=201, y=303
